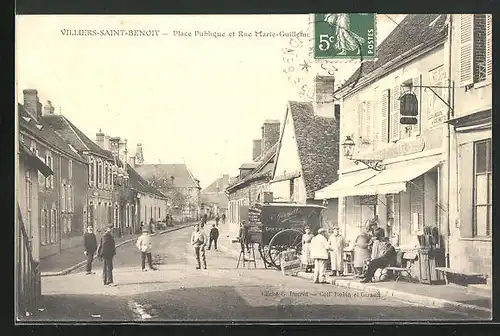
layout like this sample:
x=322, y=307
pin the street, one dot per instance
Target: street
x=178, y=291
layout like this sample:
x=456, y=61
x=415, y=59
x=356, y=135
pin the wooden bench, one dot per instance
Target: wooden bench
x=409, y=258
x=447, y=270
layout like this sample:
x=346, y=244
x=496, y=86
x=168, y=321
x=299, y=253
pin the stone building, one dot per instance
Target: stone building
x=213, y=197
x=252, y=183
x=62, y=196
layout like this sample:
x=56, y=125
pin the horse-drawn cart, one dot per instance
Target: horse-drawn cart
x=278, y=227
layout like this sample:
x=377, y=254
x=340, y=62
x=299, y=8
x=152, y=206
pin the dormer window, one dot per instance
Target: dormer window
x=28, y=119
x=39, y=126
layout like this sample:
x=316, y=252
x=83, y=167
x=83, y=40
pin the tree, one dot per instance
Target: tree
x=165, y=185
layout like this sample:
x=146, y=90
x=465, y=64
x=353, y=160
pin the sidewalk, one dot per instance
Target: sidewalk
x=73, y=258
x=436, y=296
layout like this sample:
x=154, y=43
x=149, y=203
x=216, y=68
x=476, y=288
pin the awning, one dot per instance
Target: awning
x=33, y=160
x=346, y=186
x=393, y=179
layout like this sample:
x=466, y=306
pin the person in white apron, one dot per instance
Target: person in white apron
x=306, y=260
x=337, y=243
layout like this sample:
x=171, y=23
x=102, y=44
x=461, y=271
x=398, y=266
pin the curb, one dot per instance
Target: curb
x=80, y=264
x=409, y=297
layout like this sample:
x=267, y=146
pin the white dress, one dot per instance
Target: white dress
x=306, y=250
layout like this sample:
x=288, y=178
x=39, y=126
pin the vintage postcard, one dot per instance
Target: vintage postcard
x=324, y=167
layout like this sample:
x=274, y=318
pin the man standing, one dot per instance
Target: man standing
x=214, y=235
x=106, y=251
x=90, y=246
x=244, y=237
x=198, y=240
x=223, y=217
x=319, y=252
x=217, y=218
x=145, y=246
x=337, y=243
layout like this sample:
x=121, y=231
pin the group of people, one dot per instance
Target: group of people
x=372, y=250
x=106, y=249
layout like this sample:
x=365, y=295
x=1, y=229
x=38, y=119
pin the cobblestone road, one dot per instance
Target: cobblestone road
x=177, y=291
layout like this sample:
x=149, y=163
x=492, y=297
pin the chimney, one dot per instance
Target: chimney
x=257, y=149
x=324, y=102
x=131, y=161
x=48, y=109
x=139, y=156
x=31, y=103
x=270, y=134
x=99, y=139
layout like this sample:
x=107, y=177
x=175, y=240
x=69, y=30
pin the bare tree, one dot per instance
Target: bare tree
x=166, y=186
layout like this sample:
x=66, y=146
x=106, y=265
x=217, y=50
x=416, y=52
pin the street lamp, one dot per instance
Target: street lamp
x=348, y=147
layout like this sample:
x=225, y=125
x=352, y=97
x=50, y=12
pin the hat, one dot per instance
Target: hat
x=321, y=230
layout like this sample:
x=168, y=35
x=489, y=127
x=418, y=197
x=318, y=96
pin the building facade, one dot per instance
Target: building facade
x=213, y=197
x=404, y=200
x=471, y=226
x=62, y=196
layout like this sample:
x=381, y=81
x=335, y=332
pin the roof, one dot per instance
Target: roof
x=262, y=171
x=182, y=176
x=46, y=133
x=34, y=161
x=218, y=185
x=317, y=144
x=75, y=137
x=138, y=183
x=412, y=31
x=215, y=198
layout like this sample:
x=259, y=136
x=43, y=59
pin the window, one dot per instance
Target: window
x=482, y=189
x=416, y=189
x=70, y=169
x=292, y=189
x=63, y=198
x=110, y=213
x=67, y=224
x=53, y=221
x=28, y=202
x=475, y=48
x=159, y=212
x=91, y=172
x=44, y=226
x=49, y=161
x=21, y=138
x=106, y=175
x=69, y=195
x=99, y=174
x=116, y=215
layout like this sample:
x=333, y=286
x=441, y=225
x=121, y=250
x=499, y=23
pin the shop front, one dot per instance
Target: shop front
x=404, y=200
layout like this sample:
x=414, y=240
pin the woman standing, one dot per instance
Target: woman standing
x=306, y=261
x=361, y=252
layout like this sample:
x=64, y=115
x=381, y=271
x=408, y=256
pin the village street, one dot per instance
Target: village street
x=177, y=291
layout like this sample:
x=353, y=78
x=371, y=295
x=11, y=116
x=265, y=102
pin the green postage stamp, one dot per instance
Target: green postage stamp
x=345, y=36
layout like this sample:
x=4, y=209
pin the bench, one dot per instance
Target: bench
x=447, y=270
x=409, y=258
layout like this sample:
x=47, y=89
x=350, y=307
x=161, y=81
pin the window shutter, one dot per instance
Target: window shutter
x=368, y=120
x=376, y=116
x=384, y=116
x=466, y=175
x=394, y=129
x=415, y=129
x=360, y=121
x=466, y=49
x=488, y=45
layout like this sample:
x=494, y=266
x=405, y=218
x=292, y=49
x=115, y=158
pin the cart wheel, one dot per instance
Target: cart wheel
x=289, y=239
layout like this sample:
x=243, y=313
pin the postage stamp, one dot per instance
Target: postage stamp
x=345, y=36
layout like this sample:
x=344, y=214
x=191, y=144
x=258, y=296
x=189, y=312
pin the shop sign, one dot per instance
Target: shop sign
x=369, y=200
x=437, y=109
x=401, y=148
x=290, y=263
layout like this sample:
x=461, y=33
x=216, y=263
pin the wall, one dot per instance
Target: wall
x=148, y=202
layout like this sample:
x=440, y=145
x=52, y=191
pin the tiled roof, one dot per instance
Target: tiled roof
x=182, y=176
x=318, y=146
x=45, y=133
x=263, y=170
x=218, y=185
x=74, y=136
x=413, y=30
x=138, y=183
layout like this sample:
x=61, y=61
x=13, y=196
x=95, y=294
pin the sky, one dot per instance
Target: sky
x=198, y=100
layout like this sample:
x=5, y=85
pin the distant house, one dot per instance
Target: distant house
x=213, y=197
x=62, y=196
x=307, y=157
x=252, y=184
x=179, y=179
x=150, y=204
